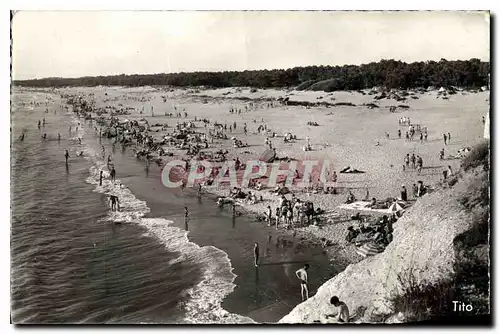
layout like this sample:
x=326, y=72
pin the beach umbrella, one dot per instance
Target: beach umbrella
x=395, y=207
x=369, y=249
x=267, y=156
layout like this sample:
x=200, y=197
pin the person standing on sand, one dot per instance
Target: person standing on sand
x=278, y=215
x=269, y=215
x=113, y=174
x=302, y=276
x=413, y=160
x=415, y=190
x=343, y=311
x=449, y=137
x=256, y=254
x=100, y=178
x=399, y=133
x=444, y=138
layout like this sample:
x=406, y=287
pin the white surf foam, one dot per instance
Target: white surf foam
x=205, y=299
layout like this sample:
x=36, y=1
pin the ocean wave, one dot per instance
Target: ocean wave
x=205, y=299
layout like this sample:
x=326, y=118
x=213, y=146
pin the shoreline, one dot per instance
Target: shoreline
x=334, y=232
x=157, y=211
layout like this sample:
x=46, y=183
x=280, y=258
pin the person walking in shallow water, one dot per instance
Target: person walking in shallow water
x=115, y=203
x=186, y=216
x=66, y=156
x=256, y=254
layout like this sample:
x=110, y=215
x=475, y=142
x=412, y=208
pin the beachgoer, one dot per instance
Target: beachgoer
x=58, y=137
x=269, y=215
x=441, y=154
x=66, y=155
x=415, y=190
x=412, y=159
x=199, y=189
x=39, y=124
x=302, y=276
x=444, y=138
x=399, y=133
x=112, y=174
x=186, y=214
x=115, y=203
x=256, y=254
x=445, y=174
x=21, y=138
x=278, y=215
x=342, y=314
x=407, y=160
x=100, y=178
x=450, y=171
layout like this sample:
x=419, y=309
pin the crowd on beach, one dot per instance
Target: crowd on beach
x=289, y=211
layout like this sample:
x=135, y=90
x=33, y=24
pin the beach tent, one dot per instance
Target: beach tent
x=441, y=89
x=267, y=156
x=369, y=249
x=395, y=207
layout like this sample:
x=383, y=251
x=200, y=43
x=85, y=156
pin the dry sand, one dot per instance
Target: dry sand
x=352, y=133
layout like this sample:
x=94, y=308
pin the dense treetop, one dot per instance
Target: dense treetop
x=471, y=73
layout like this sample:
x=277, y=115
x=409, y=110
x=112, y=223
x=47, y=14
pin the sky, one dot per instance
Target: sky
x=89, y=43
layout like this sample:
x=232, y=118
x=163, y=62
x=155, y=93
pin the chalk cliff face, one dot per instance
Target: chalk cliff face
x=423, y=244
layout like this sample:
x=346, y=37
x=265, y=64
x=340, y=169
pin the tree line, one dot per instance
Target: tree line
x=471, y=73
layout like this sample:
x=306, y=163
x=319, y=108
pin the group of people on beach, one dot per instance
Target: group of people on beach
x=416, y=162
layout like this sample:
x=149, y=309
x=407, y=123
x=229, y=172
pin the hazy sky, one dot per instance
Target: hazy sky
x=73, y=44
